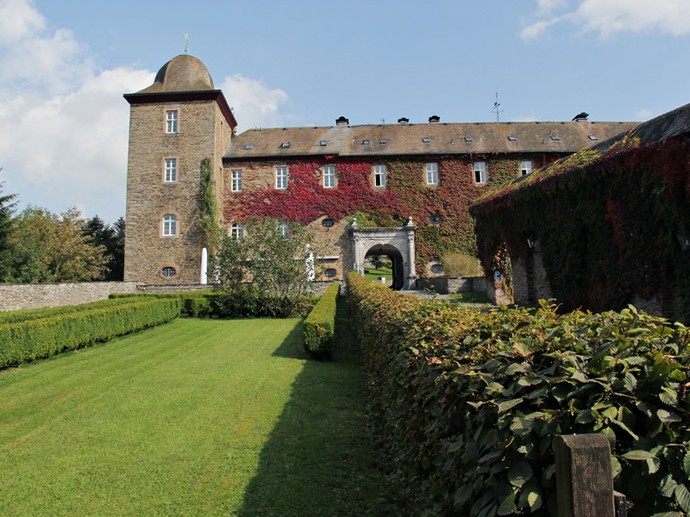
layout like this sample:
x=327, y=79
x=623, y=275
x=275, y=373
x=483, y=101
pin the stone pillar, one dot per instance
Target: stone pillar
x=411, y=280
x=203, y=279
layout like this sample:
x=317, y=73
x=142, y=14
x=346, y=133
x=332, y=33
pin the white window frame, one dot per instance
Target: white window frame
x=169, y=225
x=281, y=177
x=170, y=170
x=172, y=119
x=236, y=185
x=480, y=176
x=432, y=173
x=236, y=231
x=284, y=230
x=328, y=176
x=526, y=167
x=380, y=174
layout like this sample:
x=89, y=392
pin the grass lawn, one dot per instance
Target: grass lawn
x=375, y=274
x=196, y=417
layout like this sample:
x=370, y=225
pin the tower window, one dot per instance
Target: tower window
x=171, y=121
x=170, y=173
x=169, y=225
x=329, y=176
x=236, y=181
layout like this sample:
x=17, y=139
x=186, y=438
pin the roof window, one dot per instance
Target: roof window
x=512, y=138
x=555, y=138
x=323, y=143
x=468, y=139
x=249, y=146
x=593, y=138
x=426, y=139
x=285, y=145
x=383, y=141
x=366, y=141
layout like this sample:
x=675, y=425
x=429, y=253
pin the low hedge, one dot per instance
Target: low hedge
x=47, y=312
x=320, y=324
x=466, y=403
x=39, y=338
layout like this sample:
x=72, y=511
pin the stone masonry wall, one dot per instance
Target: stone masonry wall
x=15, y=297
x=202, y=134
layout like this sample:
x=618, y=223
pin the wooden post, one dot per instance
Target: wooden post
x=584, y=480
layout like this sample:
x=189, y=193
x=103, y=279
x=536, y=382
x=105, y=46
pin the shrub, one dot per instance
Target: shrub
x=320, y=324
x=467, y=403
x=44, y=337
x=460, y=264
x=46, y=312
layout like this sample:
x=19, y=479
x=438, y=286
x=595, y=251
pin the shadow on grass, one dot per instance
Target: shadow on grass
x=319, y=459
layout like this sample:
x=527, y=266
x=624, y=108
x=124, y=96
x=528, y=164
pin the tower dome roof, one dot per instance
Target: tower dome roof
x=183, y=73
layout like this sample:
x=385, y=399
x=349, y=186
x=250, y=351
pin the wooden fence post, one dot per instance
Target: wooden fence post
x=584, y=480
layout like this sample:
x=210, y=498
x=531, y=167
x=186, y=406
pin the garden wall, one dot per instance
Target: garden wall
x=14, y=297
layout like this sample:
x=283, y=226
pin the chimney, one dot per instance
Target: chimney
x=342, y=121
x=403, y=120
x=580, y=117
x=433, y=119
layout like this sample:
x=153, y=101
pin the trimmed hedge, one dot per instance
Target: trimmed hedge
x=39, y=338
x=320, y=324
x=466, y=403
x=47, y=312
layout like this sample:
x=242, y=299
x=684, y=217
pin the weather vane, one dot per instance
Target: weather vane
x=186, y=43
x=497, y=108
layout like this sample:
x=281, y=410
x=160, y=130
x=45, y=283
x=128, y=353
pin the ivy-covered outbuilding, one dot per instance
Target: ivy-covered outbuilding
x=603, y=228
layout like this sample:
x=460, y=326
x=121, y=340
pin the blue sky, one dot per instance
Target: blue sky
x=64, y=66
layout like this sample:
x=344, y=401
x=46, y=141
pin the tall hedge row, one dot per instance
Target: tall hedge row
x=467, y=403
x=319, y=325
x=39, y=338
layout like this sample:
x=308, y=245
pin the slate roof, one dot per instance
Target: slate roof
x=422, y=139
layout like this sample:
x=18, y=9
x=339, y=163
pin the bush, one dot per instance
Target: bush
x=250, y=301
x=320, y=324
x=44, y=337
x=46, y=312
x=460, y=264
x=467, y=403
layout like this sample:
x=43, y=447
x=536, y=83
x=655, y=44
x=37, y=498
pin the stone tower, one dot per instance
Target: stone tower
x=174, y=124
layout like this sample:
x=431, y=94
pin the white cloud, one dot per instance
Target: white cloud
x=644, y=114
x=611, y=16
x=253, y=103
x=64, y=123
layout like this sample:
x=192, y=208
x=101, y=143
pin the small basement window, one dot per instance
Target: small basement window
x=168, y=272
x=330, y=272
x=436, y=269
x=435, y=219
x=328, y=223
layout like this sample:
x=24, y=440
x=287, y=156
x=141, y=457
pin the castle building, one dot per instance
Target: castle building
x=415, y=182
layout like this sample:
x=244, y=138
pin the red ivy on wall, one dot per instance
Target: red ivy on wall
x=406, y=195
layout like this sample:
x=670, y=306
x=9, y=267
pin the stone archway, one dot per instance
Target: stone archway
x=397, y=243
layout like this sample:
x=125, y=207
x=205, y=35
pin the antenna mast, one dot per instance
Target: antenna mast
x=497, y=109
x=186, y=43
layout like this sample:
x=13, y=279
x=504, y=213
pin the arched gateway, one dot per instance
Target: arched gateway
x=396, y=243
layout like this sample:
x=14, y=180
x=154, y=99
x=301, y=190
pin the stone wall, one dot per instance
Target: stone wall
x=452, y=285
x=14, y=297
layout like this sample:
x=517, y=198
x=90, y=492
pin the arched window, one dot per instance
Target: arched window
x=236, y=231
x=168, y=272
x=169, y=225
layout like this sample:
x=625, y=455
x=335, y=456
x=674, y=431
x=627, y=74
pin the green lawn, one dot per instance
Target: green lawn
x=196, y=417
x=375, y=274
